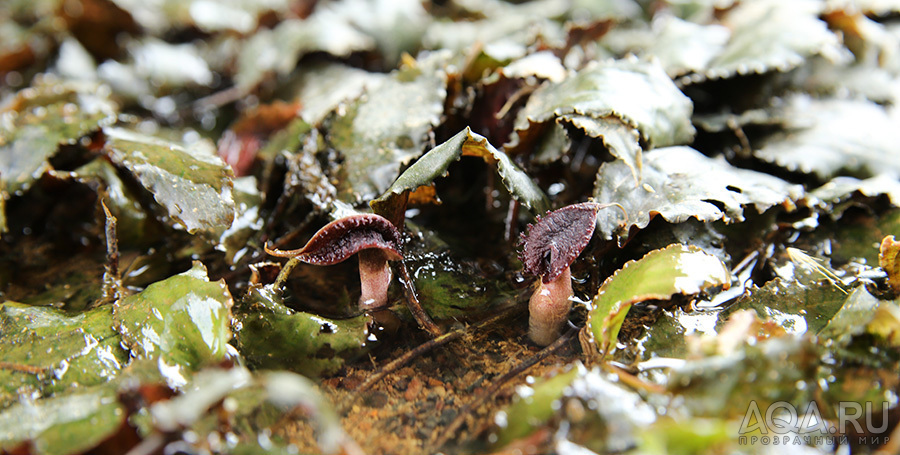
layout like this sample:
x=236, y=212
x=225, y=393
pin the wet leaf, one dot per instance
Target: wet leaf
x=271, y=335
x=188, y=180
x=65, y=424
x=676, y=269
x=184, y=320
x=434, y=164
x=385, y=128
x=840, y=189
x=46, y=351
x=40, y=119
x=680, y=183
x=622, y=141
x=829, y=137
x=395, y=26
x=505, y=29
x=452, y=289
x=798, y=306
x=597, y=411
x=770, y=35
x=683, y=46
x=639, y=94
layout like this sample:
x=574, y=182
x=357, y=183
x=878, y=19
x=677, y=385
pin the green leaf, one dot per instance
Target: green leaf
x=271, y=335
x=66, y=424
x=827, y=137
x=660, y=274
x=247, y=221
x=40, y=119
x=434, y=164
x=637, y=93
x=680, y=183
x=386, y=128
x=46, y=351
x=185, y=320
x=188, y=180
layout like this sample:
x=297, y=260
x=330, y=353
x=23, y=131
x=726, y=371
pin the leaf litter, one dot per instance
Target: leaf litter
x=759, y=131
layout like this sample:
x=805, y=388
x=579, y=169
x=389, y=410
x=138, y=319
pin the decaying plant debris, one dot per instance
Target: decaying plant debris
x=151, y=153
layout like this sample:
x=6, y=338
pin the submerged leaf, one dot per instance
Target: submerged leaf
x=832, y=136
x=189, y=181
x=434, y=164
x=679, y=183
x=676, y=269
x=184, y=320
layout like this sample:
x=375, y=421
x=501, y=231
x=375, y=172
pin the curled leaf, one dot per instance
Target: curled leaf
x=434, y=164
x=41, y=118
x=660, y=274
